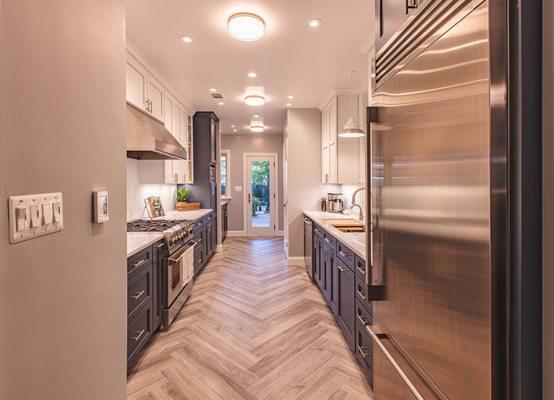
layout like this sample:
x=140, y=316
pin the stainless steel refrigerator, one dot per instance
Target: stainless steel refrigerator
x=437, y=169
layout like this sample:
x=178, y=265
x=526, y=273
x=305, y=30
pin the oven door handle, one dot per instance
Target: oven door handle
x=175, y=257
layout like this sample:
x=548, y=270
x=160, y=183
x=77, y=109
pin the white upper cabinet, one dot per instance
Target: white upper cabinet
x=143, y=90
x=149, y=91
x=136, y=84
x=339, y=156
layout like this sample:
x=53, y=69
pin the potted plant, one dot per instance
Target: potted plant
x=183, y=197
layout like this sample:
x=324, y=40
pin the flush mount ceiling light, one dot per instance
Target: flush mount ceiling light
x=257, y=128
x=351, y=129
x=314, y=22
x=254, y=100
x=246, y=27
x=186, y=38
x=252, y=74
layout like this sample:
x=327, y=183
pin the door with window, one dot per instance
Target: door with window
x=260, y=194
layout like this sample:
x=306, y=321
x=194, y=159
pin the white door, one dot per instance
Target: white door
x=260, y=205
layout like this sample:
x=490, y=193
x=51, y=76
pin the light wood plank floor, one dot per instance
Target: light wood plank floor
x=253, y=328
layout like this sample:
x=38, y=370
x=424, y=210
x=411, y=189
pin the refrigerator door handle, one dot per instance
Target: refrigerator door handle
x=374, y=275
x=394, y=364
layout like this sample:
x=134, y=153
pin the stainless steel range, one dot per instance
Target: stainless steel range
x=177, y=263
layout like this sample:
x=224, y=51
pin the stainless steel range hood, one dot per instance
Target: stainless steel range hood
x=148, y=139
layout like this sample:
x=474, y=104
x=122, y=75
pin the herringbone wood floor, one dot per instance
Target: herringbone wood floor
x=254, y=328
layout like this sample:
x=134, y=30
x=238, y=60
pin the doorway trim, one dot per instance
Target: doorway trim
x=275, y=188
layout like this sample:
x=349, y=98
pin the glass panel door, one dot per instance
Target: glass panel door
x=260, y=195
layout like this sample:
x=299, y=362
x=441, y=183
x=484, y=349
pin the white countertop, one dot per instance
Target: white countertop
x=136, y=241
x=354, y=240
x=223, y=202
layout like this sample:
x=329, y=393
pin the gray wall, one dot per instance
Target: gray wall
x=62, y=121
x=304, y=187
x=548, y=201
x=250, y=143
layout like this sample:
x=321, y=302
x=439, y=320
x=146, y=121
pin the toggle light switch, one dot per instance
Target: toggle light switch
x=57, y=211
x=47, y=215
x=21, y=218
x=35, y=212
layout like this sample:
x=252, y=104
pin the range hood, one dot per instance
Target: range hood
x=148, y=139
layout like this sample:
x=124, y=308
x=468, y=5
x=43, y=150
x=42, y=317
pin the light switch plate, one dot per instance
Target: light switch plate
x=35, y=215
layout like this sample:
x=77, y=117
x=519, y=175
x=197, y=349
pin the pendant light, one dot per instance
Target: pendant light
x=351, y=128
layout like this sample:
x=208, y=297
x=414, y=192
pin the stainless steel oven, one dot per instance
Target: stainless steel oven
x=179, y=272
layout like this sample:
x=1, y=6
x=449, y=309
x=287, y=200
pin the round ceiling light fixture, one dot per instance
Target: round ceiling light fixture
x=254, y=100
x=252, y=74
x=186, y=39
x=257, y=128
x=246, y=27
x=314, y=22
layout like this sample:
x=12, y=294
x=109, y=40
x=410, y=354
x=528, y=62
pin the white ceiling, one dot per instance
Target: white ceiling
x=292, y=58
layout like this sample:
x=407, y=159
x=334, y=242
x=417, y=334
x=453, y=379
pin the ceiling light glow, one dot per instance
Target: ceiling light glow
x=221, y=103
x=256, y=128
x=246, y=27
x=186, y=39
x=252, y=74
x=290, y=97
x=213, y=90
x=314, y=22
x=289, y=105
x=254, y=100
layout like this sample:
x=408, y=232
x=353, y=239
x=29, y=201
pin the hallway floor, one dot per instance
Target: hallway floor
x=254, y=328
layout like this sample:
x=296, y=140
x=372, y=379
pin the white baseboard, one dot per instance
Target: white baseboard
x=296, y=261
x=236, y=233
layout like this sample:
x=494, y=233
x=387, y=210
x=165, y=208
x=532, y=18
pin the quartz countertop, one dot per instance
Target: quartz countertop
x=137, y=241
x=353, y=240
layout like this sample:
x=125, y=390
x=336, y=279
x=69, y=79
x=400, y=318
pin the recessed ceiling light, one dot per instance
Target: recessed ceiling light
x=252, y=74
x=246, y=27
x=254, y=100
x=186, y=39
x=289, y=105
x=256, y=128
x=290, y=97
x=315, y=22
x=232, y=126
x=234, y=130
x=213, y=90
x=256, y=116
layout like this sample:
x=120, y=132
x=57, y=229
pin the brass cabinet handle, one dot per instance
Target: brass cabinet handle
x=363, y=352
x=136, y=338
x=138, y=295
x=139, y=263
x=160, y=246
x=361, y=294
x=342, y=253
x=362, y=270
x=341, y=269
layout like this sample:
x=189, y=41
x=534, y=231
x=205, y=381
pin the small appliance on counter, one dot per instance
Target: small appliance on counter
x=335, y=203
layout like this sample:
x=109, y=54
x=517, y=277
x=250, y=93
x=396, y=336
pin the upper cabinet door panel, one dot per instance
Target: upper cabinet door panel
x=333, y=121
x=168, y=120
x=155, y=93
x=333, y=164
x=325, y=128
x=135, y=84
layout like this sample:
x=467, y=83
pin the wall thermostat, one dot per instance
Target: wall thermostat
x=101, y=206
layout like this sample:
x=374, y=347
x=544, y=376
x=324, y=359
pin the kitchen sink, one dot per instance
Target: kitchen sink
x=347, y=225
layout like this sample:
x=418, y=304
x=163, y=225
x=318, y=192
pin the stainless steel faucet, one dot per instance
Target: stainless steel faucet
x=354, y=204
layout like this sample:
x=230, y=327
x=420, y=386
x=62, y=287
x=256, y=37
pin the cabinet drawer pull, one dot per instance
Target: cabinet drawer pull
x=360, y=293
x=139, y=263
x=138, y=295
x=362, y=270
x=362, y=319
x=160, y=246
x=363, y=352
x=345, y=255
x=341, y=269
x=137, y=338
